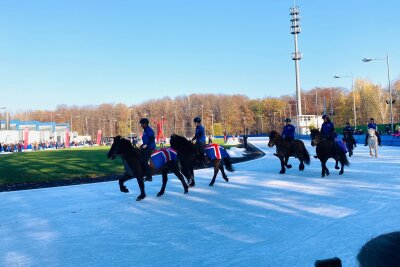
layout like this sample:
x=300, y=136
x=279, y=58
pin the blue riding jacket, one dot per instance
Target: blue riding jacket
x=327, y=129
x=148, y=137
x=200, y=135
x=288, y=131
x=348, y=129
x=372, y=125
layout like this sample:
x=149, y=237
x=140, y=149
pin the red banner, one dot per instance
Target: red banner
x=66, y=138
x=26, y=137
x=160, y=133
x=98, y=139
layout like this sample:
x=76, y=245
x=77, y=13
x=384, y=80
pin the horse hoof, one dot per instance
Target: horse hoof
x=337, y=168
x=289, y=166
x=186, y=191
x=301, y=168
x=211, y=184
x=226, y=179
x=124, y=190
x=340, y=173
x=160, y=194
x=140, y=197
x=282, y=172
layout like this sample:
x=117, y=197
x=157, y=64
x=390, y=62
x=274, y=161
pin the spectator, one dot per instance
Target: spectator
x=381, y=251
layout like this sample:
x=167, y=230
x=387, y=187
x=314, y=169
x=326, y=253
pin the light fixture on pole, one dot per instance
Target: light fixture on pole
x=390, y=88
x=354, y=96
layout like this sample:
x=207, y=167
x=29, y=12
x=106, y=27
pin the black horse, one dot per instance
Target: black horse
x=350, y=142
x=131, y=157
x=188, y=157
x=286, y=149
x=328, y=149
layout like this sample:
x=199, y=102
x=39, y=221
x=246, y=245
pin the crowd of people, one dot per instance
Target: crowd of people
x=36, y=146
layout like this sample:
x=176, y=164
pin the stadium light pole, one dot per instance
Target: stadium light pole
x=390, y=88
x=296, y=55
x=354, y=96
x=0, y=118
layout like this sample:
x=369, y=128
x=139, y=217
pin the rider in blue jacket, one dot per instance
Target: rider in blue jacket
x=148, y=147
x=327, y=128
x=372, y=125
x=348, y=129
x=200, y=137
x=288, y=130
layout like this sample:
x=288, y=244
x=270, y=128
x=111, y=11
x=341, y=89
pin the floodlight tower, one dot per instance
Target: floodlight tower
x=296, y=56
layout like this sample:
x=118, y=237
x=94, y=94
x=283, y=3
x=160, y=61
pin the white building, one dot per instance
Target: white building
x=306, y=122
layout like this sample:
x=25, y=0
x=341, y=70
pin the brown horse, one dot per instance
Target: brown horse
x=328, y=149
x=286, y=149
x=187, y=153
x=131, y=157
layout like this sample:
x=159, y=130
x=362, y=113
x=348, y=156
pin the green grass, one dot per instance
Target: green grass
x=62, y=164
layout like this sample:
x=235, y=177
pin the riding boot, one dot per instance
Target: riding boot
x=147, y=172
x=366, y=138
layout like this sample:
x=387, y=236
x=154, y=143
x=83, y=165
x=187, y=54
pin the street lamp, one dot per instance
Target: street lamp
x=390, y=88
x=0, y=118
x=354, y=96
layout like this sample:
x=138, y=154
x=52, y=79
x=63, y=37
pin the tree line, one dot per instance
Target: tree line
x=233, y=114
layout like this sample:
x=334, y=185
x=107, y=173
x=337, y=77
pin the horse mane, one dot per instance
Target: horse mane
x=182, y=145
x=126, y=145
x=274, y=133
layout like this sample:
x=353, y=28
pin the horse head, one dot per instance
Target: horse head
x=315, y=137
x=371, y=132
x=274, y=138
x=181, y=144
x=120, y=146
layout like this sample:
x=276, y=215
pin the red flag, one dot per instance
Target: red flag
x=67, y=138
x=26, y=137
x=98, y=139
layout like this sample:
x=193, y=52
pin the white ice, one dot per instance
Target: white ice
x=259, y=218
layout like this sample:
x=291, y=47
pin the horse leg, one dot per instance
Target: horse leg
x=337, y=164
x=286, y=162
x=283, y=169
x=121, y=182
x=370, y=151
x=182, y=179
x=376, y=151
x=142, y=195
x=192, y=182
x=216, y=169
x=221, y=167
x=341, y=169
x=164, y=182
x=301, y=166
x=325, y=170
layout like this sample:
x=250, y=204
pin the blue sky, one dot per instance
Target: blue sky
x=93, y=52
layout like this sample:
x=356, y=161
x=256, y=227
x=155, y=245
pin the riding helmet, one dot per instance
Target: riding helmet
x=371, y=119
x=288, y=120
x=348, y=123
x=144, y=120
x=197, y=119
x=325, y=116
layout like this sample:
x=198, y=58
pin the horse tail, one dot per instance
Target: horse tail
x=306, y=156
x=303, y=153
x=228, y=164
